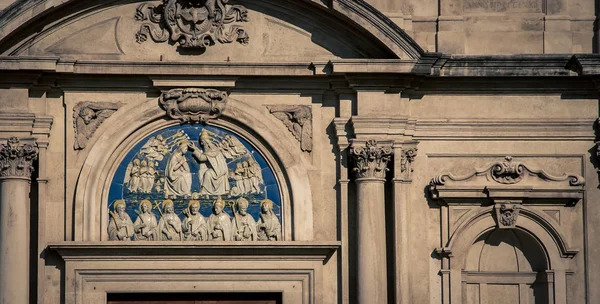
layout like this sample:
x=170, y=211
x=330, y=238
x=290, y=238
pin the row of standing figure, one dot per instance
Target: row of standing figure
x=141, y=177
x=195, y=227
x=248, y=177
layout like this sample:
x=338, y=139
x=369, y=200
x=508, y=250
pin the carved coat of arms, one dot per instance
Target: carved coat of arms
x=192, y=23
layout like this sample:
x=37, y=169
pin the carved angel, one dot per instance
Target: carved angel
x=87, y=117
x=298, y=119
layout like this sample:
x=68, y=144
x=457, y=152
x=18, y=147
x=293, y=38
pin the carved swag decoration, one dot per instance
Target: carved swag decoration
x=17, y=160
x=87, y=117
x=192, y=23
x=194, y=105
x=509, y=172
x=371, y=160
x=298, y=120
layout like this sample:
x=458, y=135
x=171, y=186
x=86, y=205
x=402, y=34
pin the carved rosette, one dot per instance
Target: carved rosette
x=371, y=159
x=194, y=105
x=507, y=214
x=16, y=160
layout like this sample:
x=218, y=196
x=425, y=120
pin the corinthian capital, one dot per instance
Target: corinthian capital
x=16, y=160
x=371, y=159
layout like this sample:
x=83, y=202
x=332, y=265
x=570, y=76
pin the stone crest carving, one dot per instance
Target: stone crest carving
x=507, y=214
x=87, y=117
x=371, y=159
x=509, y=172
x=298, y=120
x=194, y=105
x=16, y=160
x=192, y=23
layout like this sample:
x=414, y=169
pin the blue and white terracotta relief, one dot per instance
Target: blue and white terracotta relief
x=193, y=163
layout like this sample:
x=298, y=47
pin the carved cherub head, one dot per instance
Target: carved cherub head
x=87, y=115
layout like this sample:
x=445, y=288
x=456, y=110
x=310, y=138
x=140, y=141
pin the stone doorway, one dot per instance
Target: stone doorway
x=196, y=298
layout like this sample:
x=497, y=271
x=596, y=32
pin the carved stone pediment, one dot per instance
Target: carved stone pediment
x=192, y=23
x=508, y=178
x=194, y=105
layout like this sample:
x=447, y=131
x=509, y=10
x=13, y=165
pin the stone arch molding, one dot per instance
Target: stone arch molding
x=135, y=121
x=368, y=25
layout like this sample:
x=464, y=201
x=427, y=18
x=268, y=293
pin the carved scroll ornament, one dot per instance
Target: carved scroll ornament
x=507, y=214
x=194, y=105
x=16, y=160
x=87, y=117
x=371, y=159
x=192, y=23
x=298, y=120
x=509, y=172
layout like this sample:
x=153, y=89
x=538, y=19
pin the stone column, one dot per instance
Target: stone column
x=371, y=164
x=15, y=179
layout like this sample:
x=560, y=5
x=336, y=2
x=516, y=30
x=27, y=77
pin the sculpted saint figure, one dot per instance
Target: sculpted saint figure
x=178, y=181
x=133, y=178
x=219, y=223
x=169, y=225
x=269, y=228
x=244, y=226
x=195, y=226
x=120, y=227
x=147, y=179
x=145, y=226
x=213, y=173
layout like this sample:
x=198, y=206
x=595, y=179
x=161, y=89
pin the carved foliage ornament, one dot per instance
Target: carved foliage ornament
x=371, y=160
x=194, y=105
x=192, y=23
x=507, y=214
x=87, y=117
x=406, y=160
x=16, y=160
x=298, y=120
x=509, y=172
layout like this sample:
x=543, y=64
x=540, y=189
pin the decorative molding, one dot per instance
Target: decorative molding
x=409, y=152
x=507, y=214
x=87, y=117
x=508, y=172
x=298, y=120
x=194, y=105
x=371, y=159
x=16, y=160
x=193, y=24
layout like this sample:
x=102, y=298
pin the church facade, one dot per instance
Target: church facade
x=299, y=151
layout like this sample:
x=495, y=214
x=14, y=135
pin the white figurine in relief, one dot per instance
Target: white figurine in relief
x=147, y=179
x=178, y=181
x=244, y=225
x=213, y=173
x=269, y=228
x=120, y=227
x=155, y=149
x=132, y=175
x=169, y=226
x=145, y=226
x=257, y=177
x=234, y=146
x=219, y=222
x=195, y=226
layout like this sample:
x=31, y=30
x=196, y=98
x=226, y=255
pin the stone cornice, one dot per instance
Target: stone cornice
x=208, y=250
